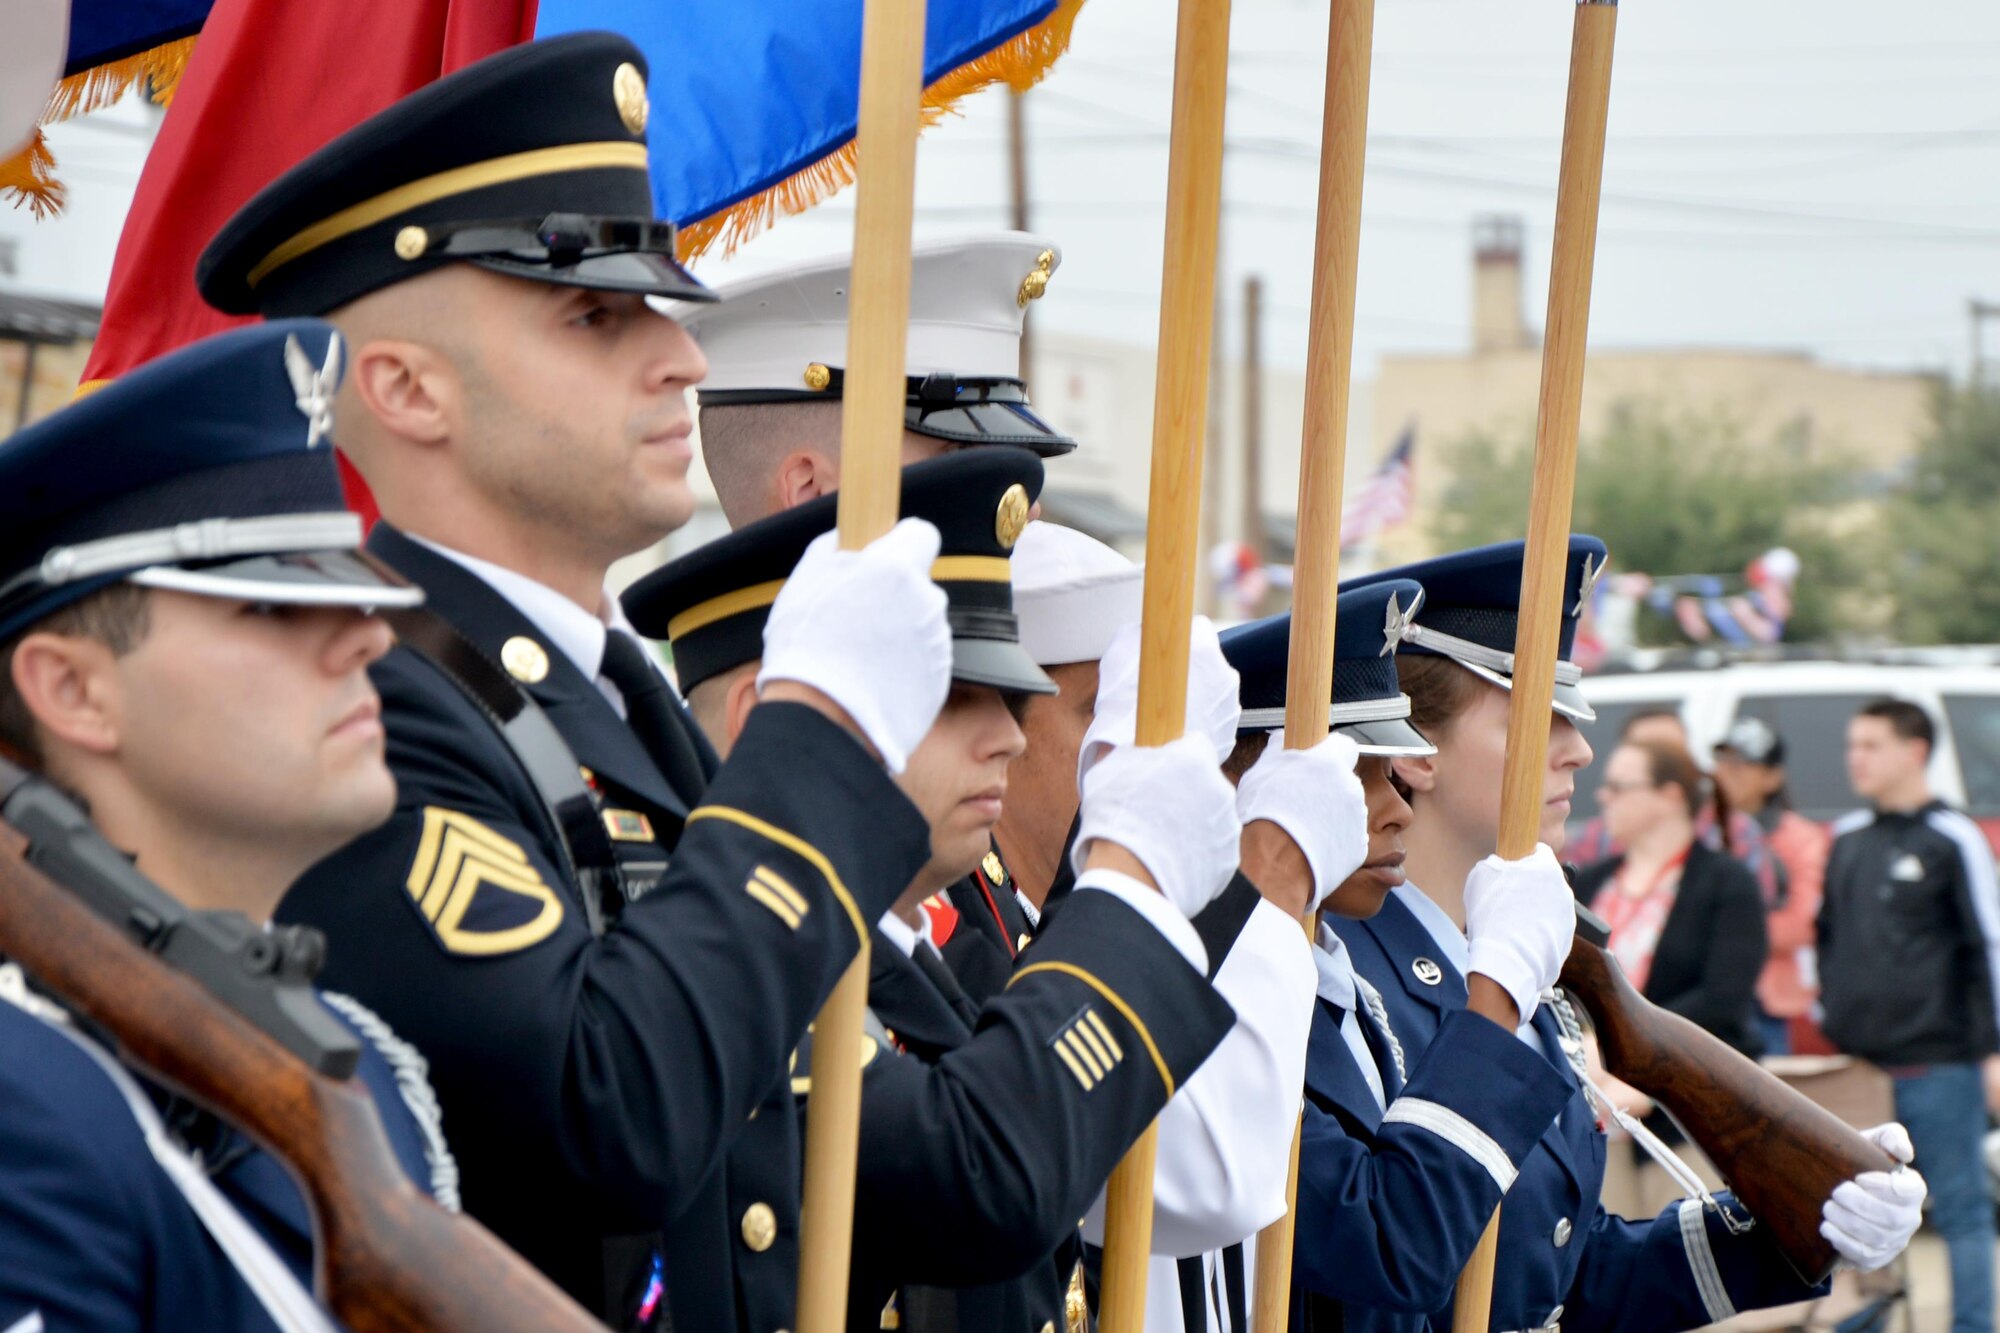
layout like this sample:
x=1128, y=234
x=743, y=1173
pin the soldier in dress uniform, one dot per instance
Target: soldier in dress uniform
x=776, y=346
x=488, y=246
x=770, y=432
x=1563, y=1260
x=986, y=1131
x=1401, y=1162
x=1225, y=1138
x=185, y=631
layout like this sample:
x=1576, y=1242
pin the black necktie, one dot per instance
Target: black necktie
x=655, y=715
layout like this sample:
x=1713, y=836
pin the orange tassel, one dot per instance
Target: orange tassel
x=29, y=177
x=1020, y=63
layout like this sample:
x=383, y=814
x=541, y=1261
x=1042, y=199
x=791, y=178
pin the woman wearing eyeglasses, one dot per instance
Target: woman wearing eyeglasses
x=1687, y=922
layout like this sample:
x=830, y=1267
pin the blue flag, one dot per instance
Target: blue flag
x=748, y=93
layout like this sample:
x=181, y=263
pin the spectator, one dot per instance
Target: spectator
x=1723, y=829
x=1750, y=773
x=1908, y=937
x=1687, y=923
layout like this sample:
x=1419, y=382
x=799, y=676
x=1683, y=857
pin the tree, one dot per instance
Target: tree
x=1679, y=492
x=1946, y=525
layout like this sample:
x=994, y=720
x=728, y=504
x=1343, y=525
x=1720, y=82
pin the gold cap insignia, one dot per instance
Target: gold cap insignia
x=996, y=873
x=628, y=92
x=525, y=660
x=477, y=889
x=411, y=242
x=1012, y=516
x=818, y=377
x=1037, y=281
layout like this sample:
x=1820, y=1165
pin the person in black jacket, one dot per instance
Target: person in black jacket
x=1909, y=934
x=1687, y=922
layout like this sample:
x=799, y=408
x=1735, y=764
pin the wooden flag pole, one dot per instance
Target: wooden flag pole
x=1180, y=410
x=1322, y=465
x=871, y=432
x=1536, y=639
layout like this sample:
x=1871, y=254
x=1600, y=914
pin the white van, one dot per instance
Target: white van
x=1809, y=704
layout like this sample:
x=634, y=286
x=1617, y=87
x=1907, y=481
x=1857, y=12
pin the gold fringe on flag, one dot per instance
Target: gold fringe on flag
x=1020, y=63
x=29, y=177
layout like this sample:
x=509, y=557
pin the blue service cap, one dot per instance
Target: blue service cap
x=1368, y=704
x=1472, y=606
x=210, y=471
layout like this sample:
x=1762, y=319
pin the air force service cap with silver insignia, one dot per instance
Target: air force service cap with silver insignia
x=711, y=604
x=1472, y=604
x=208, y=471
x=781, y=337
x=531, y=163
x=1368, y=702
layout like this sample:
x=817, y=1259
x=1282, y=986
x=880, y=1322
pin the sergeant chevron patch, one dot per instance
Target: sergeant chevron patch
x=1086, y=1046
x=477, y=889
x=770, y=889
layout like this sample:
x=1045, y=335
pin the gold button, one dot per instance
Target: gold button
x=760, y=1227
x=628, y=93
x=818, y=377
x=411, y=242
x=1010, y=516
x=525, y=660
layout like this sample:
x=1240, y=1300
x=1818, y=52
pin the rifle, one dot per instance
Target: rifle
x=222, y=1011
x=1781, y=1153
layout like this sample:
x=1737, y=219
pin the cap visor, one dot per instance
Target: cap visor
x=1394, y=738
x=990, y=423
x=1568, y=700
x=999, y=663
x=302, y=578
x=640, y=271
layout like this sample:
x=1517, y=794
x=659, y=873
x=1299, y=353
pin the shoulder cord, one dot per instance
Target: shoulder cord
x=1379, y=1011
x=413, y=1082
x=1683, y=1175
x=283, y=1297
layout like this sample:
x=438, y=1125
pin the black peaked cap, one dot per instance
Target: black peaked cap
x=711, y=604
x=543, y=144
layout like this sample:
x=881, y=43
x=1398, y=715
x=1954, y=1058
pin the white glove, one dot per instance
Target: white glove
x=1315, y=796
x=1212, y=709
x=867, y=629
x=1170, y=806
x=1871, y=1218
x=1521, y=919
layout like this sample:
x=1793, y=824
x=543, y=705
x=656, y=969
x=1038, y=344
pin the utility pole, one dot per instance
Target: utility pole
x=1981, y=312
x=1253, y=422
x=1017, y=165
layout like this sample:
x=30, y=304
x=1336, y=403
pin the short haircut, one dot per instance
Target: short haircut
x=1906, y=719
x=1439, y=689
x=743, y=443
x=1649, y=713
x=115, y=616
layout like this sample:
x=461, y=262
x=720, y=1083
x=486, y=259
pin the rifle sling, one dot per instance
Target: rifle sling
x=538, y=748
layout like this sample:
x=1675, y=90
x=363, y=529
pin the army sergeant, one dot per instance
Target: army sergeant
x=987, y=1133
x=518, y=409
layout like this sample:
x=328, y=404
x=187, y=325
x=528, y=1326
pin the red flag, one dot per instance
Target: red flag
x=269, y=82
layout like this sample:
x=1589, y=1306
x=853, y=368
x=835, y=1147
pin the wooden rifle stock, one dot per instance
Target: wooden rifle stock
x=1781, y=1153
x=389, y=1258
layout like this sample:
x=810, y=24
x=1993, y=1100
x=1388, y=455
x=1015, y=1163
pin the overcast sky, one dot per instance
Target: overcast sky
x=1820, y=175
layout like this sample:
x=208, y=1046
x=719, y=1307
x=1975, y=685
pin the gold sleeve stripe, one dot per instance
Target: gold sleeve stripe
x=1089, y=1038
x=1111, y=998
x=1104, y=1034
x=757, y=889
x=798, y=846
x=1075, y=1068
x=1082, y=1052
x=775, y=882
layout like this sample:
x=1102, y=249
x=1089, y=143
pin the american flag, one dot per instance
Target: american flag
x=1385, y=499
